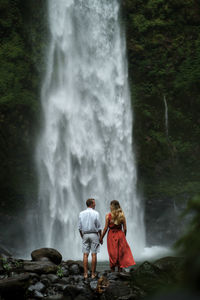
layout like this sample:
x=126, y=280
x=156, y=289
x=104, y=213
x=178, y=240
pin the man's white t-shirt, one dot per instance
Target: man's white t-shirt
x=89, y=221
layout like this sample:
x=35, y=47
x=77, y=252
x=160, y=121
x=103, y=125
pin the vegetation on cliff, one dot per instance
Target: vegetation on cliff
x=22, y=31
x=163, y=42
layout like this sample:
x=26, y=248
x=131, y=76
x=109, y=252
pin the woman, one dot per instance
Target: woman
x=118, y=249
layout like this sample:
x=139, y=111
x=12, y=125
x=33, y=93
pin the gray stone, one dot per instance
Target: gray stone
x=78, y=278
x=169, y=263
x=39, y=286
x=73, y=291
x=55, y=297
x=113, y=276
x=52, y=277
x=78, y=262
x=40, y=267
x=74, y=269
x=128, y=297
x=148, y=269
x=38, y=295
x=63, y=280
x=93, y=284
x=124, y=276
x=49, y=253
x=34, y=275
x=46, y=282
x=117, y=289
x=60, y=287
x=16, y=282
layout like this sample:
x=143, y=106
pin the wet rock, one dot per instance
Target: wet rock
x=52, y=254
x=46, y=281
x=77, y=292
x=78, y=278
x=113, y=276
x=93, y=284
x=149, y=269
x=39, y=286
x=169, y=263
x=55, y=297
x=14, y=286
x=77, y=262
x=128, y=297
x=38, y=295
x=74, y=269
x=1, y=268
x=117, y=289
x=60, y=287
x=124, y=276
x=34, y=276
x=52, y=277
x=39, y=267
x=63, y=280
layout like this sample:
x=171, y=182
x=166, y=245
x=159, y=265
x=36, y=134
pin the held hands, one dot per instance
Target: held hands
x=101, y=240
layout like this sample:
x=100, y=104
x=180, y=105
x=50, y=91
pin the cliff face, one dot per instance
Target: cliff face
x=23, y=36
x=163, y=44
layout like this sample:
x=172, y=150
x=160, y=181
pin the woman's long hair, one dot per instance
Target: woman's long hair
x=116, y=212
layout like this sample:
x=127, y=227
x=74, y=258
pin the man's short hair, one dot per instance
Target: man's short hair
x=89, y=202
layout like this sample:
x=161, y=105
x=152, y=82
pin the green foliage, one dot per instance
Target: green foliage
x=6, y=265
x=163, y=44
x=23, y=38
x=59, y=272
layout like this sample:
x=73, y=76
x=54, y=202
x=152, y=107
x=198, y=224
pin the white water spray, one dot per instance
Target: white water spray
x=166, y=116
x=85, y=148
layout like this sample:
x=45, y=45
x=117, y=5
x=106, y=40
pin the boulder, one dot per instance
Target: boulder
x=52, y=277
x=16, y=285
x=117, y=289
x=169, y=263
x=47, y=253
x=77, y=262
x=39, y=267
x=39, y=286
x=74, y=269
x=77, y=292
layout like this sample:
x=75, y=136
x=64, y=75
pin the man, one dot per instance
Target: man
x=90, y=231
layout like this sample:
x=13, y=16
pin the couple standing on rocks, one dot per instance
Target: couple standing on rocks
x=90, y=230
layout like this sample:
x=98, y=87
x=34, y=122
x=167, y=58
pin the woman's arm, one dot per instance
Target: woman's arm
x=124, y=226
x=105, y=228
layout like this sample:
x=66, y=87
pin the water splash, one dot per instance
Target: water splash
x=85, y=148
x=166, y=116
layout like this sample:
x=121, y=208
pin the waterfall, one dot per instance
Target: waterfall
x=166, y=116
x=85, y=148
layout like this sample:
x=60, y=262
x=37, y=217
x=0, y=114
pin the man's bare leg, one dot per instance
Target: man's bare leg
x=85, y=264
x=94, y=263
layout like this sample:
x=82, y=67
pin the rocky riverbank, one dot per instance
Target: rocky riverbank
x=47, y=276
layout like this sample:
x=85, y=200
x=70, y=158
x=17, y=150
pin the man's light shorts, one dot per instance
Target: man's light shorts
x=90, y=242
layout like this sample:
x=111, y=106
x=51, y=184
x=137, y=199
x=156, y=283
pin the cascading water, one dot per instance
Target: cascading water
x=85, y=148
x=166, y=116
